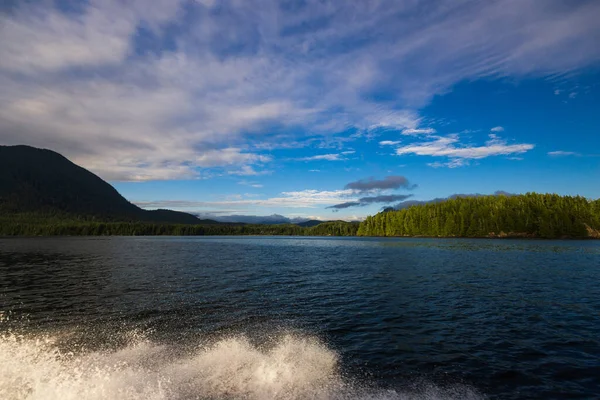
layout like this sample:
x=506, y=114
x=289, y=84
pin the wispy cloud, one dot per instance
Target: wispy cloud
x=414, y=131
x=389, y=142
x=365, y=201
x=296, y=199
x=323, y=157
x=450, y=146
x=497, y=129
x=251, y=184
x=228, y=156
x=454, y=163
x=560, y=153
x=136, y=92
x=247, y=170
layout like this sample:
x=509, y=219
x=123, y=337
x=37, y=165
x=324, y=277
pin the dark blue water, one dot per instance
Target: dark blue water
x=274, y=317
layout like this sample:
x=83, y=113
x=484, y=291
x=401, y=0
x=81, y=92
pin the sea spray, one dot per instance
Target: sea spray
x=290, y=367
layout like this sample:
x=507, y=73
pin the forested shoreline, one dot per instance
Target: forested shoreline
x=532, y=215
x=73, y=227
x=545, y=216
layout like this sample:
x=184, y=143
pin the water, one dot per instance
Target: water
x=298, y=318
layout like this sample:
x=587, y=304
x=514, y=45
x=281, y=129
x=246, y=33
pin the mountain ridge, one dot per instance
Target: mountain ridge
x=44, y=182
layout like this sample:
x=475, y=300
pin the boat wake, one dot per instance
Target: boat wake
x=290, y=367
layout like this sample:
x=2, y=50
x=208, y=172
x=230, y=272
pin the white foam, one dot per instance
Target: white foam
x=294, y=367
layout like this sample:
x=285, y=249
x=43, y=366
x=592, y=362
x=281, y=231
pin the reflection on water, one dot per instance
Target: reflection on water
x=255, y=317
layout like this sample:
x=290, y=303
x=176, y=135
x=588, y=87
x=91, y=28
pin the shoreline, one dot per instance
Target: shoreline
x=517, y=237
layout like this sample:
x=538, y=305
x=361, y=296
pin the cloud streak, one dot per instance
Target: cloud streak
x=365, y=201
x=297, y=199
x=389, y=142
x=449, y=146
x=412, y=131
x=344, y=205
x=560, y=153
x=324, y=157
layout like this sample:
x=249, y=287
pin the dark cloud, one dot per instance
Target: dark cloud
x=376, y=185
x=346, y=205
x=410, y=203
x=389, y=182
x=371, y=200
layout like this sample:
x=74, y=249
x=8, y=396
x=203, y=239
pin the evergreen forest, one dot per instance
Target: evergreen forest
x=530, y=215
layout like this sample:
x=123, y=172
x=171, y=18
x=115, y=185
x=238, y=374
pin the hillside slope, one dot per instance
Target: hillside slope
x=43, y=182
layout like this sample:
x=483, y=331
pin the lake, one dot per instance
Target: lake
x=298, y=318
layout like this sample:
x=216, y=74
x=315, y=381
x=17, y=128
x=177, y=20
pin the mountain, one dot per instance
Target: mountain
x=273, y=219
x=43, y=182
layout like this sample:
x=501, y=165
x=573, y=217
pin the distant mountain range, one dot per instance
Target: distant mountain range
x=43, y=182
x=274, y=219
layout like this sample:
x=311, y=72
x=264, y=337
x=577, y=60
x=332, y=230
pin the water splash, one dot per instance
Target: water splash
x=292, y=367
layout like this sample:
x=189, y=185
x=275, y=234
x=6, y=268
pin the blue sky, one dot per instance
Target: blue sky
x=312, y=109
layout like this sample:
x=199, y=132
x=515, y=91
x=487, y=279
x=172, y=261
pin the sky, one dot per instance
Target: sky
x=308, y=108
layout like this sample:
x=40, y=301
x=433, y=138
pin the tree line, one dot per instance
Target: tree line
x=530, y=215
x=35, y=225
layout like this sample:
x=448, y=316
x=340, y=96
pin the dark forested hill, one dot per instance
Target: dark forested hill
x=44, y=183
x=530, y=215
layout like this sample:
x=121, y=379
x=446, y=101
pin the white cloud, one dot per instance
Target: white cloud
x=297, y=199
x=389, y=142
x=251, y=184
x=453, y=163
x=314, y=170
x=560, y=153
x=227, y=156
x=497, y=129
x=247, y=170
x=325, y=157
x=414, y=131
x=348, y=152
x=449, y=146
